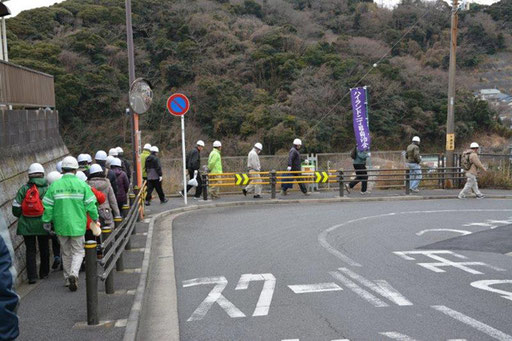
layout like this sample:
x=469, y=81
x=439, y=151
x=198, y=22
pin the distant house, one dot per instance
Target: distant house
x=489, y=94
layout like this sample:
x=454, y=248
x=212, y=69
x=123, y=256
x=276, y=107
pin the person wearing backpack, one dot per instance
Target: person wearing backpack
x=29, y=209
x=359, y=157
x=66, y=205
x=109, y=209
x=471, y=164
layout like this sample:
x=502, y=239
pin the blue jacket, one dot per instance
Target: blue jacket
x=8, y=297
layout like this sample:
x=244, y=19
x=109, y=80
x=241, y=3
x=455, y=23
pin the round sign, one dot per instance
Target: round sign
x=178, y=104
x=141, y=96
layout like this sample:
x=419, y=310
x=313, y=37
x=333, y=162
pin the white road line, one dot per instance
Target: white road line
x=480, y=326
x=263, y=305
x=322, y=237
x=397, y=336
x=383, y=288
x=479, y=224
x=486, y=285
x=121, y=323
x=310, y=288
x=215, y=296
x=358, y=290
x=463, y=232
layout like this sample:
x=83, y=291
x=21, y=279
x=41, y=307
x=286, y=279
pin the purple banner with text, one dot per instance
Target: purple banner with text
x=361, y=129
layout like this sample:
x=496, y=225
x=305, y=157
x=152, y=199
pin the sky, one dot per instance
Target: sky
x=16, y=6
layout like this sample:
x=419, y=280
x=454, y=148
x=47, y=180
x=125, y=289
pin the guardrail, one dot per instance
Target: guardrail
x=389, y=178
x=109, y=253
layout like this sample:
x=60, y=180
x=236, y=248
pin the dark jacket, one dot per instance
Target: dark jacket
x=126, y=167
x=194, y=160
x=9, y=329
x=153, y=167
x=29, y=226
x=123, y=185
x=413, y=153
x=110, y=175
x=294, y=159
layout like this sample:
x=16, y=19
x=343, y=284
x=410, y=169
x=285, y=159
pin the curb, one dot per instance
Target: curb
x=136, y=310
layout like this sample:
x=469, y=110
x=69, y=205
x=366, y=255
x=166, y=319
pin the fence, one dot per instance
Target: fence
x=109, y=253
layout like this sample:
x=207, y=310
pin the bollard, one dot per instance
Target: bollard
x=120, y=260
x=205, y=186
x=132, y=199
x=407, y=181
x=109, y=281
x=124, y=210
x=273, y=183
x=340, y=182
x=91, y=282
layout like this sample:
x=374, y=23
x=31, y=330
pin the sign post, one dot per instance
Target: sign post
x=178, y=105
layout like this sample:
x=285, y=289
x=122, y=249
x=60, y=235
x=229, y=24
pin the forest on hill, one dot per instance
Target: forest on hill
x=263, y=70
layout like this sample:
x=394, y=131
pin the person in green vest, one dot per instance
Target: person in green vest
x=215, y=167
x=145, y=153
x=28, y=208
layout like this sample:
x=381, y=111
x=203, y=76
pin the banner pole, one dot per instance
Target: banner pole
x=184, y=160
x=368, y=123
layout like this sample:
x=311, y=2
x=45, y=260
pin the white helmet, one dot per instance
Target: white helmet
x=69, y=162
x=147, y=146
x=297, y=142
x=59, y=167
x=258, y=146
x=416, y=139
x=110, y=158
x=154, y=149
x=112, y=152
x=119, y=150
x=88, y=158
x=53, y=176
x=35, y=168
x=474, y=145
x=95, y=169
x=115, y=162
x=217, y=144
x=81, y=175
x=101, y=155
x=82, y=158
x=200, y=143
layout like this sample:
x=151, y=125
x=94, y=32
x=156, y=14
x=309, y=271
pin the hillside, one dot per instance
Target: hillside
x=265, y=70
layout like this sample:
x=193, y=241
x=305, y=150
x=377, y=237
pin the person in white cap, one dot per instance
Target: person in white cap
x=193, y=163
x=215, y=167
x=413, y=163
x=125, y=164
x=154, y=172
x=143, y=157
x=66, y=205
x=57, y=261
x=101, y=159
x=112, y=152
x=83, y=163
x=253, y=166
x=28, y=207
x=471, y=163
x=294, y=164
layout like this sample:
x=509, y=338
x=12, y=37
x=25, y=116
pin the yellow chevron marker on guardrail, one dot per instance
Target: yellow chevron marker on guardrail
x=242, y=179
x=322, y=177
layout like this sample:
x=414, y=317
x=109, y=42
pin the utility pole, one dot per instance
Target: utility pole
x=134, y=116
x=450, y=124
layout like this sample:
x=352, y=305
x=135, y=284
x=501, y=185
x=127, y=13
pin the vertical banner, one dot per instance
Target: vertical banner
x=361, y=129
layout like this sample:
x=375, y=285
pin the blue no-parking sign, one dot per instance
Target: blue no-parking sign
x=178, y=104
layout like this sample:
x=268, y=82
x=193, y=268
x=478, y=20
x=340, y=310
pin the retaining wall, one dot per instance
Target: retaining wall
x=26, y=136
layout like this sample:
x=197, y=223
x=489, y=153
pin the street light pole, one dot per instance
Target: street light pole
x=134, y=116
x=450, y=124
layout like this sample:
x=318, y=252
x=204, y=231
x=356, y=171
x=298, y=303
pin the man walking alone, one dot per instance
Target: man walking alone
x=215, y=167
x=253, y=166
x=154, y=173
x=413, y=163
x=471, y=164
x=359, y=157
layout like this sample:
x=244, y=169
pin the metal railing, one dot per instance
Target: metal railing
x=439, y=177
x=109, y=253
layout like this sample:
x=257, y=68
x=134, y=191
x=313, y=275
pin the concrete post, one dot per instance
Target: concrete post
x=91, y=282
x=341, y=184
x=204, y=178
x=120, y=260
x=109, y=281
x=273, y=183
x=407, y=181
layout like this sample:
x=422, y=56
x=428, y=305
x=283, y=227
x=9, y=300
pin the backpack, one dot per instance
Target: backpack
x=465, y=161
x=32, y=206
x=105, y=215
x=353, y=153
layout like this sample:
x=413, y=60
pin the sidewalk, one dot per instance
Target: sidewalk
x=49, y=311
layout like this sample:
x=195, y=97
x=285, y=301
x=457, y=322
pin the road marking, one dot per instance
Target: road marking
x=443, y=262
x=131, y=271
x=479, y=224
x=322, y=237
x=311, y=288
x=358, y=290
x=480, y=326
x=382, y=288
x=463, y=232
x=121, y=323
x=486, y=285
x=215, y=296
x=397, y=336
x=267, y=292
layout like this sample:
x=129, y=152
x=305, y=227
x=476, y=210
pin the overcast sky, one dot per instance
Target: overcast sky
x=16, y=6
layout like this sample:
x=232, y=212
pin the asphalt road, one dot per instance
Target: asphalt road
x=411, y=270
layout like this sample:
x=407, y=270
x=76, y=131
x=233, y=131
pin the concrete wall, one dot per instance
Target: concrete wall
x=26, y=136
